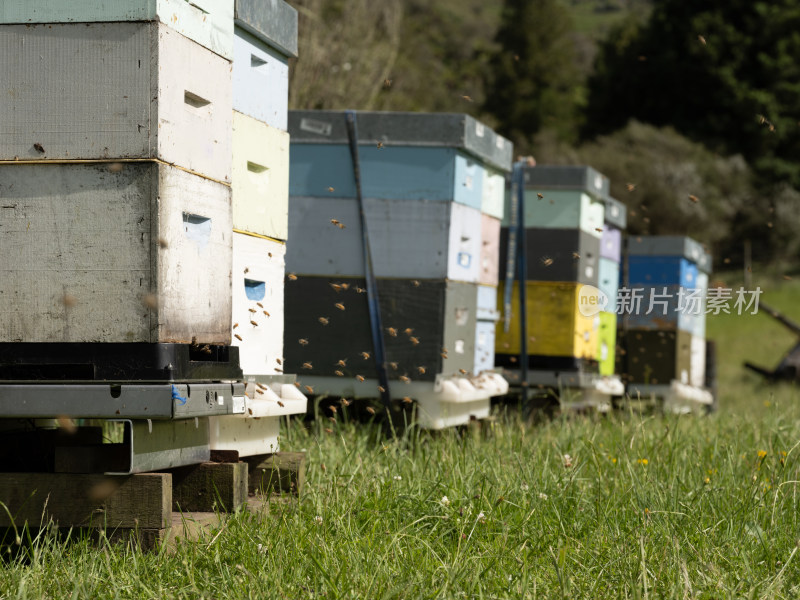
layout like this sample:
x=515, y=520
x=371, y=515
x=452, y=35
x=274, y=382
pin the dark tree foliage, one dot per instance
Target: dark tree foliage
x=724, y=72
x=533, y=81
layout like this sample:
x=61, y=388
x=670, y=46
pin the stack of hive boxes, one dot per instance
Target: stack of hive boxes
x=432, y=187
x=563, y=220
x=609, y=272
x=669, y=343
x=265, y=38
x=116, y=200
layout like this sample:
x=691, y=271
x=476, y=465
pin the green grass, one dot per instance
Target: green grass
x=645, y=507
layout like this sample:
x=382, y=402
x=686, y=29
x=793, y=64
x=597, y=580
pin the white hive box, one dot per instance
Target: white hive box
x=207, y=22
x=260, y=80
x=114, y=90
x=258, y=272
x=265, y=39
x=260, y=178
x=110, y=234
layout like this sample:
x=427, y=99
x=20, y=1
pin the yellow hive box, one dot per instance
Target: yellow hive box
x=260, y=179
x=555, y=325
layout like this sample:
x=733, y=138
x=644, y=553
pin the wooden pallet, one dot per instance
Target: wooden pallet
x=148, y=509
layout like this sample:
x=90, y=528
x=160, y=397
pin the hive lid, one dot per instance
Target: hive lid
x=567, y=177
x=271, y=21
x=670, y=245
x=449, y=130
x=616, y=213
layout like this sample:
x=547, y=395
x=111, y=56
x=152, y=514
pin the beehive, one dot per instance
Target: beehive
x=143, y=250
x=568, y=255
x=115, y=91
x=207, y=22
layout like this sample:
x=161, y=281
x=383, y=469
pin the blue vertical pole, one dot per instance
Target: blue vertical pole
x=522, y=270
x=378, y=346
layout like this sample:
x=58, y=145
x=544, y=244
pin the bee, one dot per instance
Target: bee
x=513, y=359
x=279, y=370
x=421, y=370
x=694, y=198
x=333, y=409
x=303, y=342
x=246, y=270
x=307, y=365
x=38, y=147
x=336, y=287
x=332, y=419
x=360, y=290
x=391, y=331
x=339, y=373
x=381, y=389
x=575, y=255
x=462, y=371
x=253, y=323
x=292, y=277
x=309, y=389
x=539, y=195
x=345, y=286
x=237, y=336
x=69, y=300
x=297, y=384
x=328, y=430
x=365, y=355
x=249, y=411
x=407, y=400
x=235, y=325
x=415, y=283
x=269, y=254
x=163, y=243
x=370, y=410
x=702, y=39
x=344, y=401
x=380, y=145
x=547, y=261
x=408, y=331
x=334, y=221
x=259, y=305
x=259, y=392
x=150, y=301
x=281, y=404
x=467, y=98
x=404, y=379
x=278, y=360
x=115, y=167
x=599, y=229
x=266, y=314
x=261, y=386
x=330, y=189
x=413, y=340
x=444, y=355
x=393, y=365
x=323, y=320
x=252, y=310
x=630, y=186
x=342, y=362
x=339, y=305
x=206, y=349
x=360, y=377
x=387, y=83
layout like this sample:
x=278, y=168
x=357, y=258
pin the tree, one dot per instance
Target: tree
x=533, y=81
x=724, y=72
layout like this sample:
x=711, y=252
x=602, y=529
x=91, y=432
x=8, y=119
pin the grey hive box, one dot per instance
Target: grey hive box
x=435, y=130
x=616, y=213
x=109, y=234
x=568, y=177
x=670, y=245
x=272, y=21
x=114, y=90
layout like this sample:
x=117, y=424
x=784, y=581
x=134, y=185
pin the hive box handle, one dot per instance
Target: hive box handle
x=197, y=229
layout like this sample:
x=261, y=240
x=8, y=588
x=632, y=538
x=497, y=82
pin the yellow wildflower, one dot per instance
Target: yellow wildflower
x=643, y=461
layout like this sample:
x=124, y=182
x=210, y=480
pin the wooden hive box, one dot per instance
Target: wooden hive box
x=657, y=357
x=265, y=38
x=105, y=236
x=569, y=255
x=258, y=279
x=126, y=90
x=662, y=270
x=556, y=326
x=607, y=342
x=440, y=314
x=408, y=238
x=260, y=178
x=673, y=246
x=409, y=156
x=207, y=22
